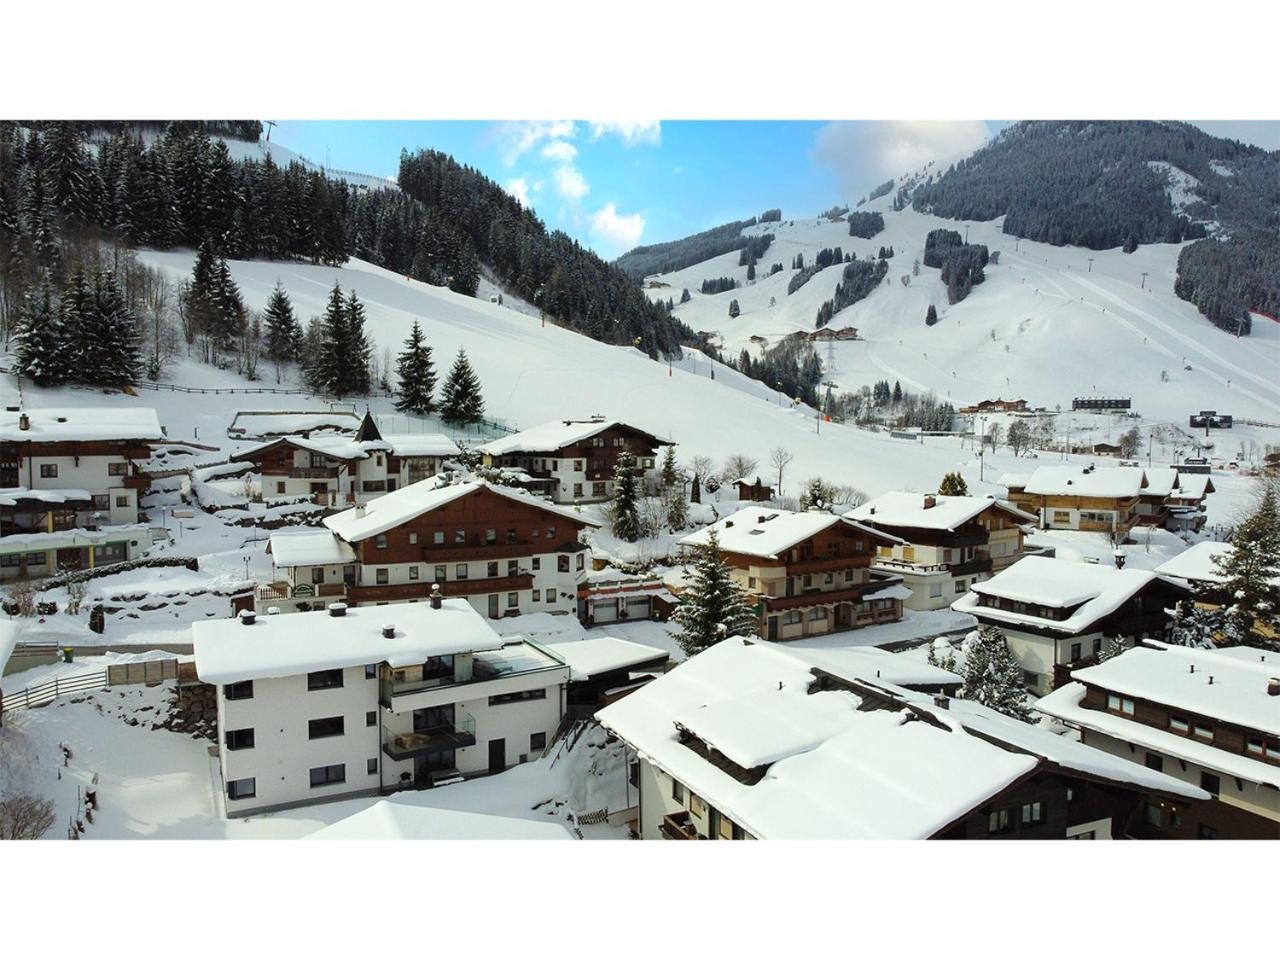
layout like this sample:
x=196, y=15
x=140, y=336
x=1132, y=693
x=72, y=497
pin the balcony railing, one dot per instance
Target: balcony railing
x=447, y=736
x=822, y=597
x=679, y=826
x=828, y=564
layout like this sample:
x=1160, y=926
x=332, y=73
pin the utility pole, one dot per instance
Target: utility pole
x=1144, y=280
x=268, y=124
x=1090, y=270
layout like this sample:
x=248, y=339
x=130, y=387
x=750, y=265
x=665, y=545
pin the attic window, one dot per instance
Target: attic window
x=756, y=533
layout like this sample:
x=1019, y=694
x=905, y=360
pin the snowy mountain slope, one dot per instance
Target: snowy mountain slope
x=1046, y=325
x=283, y=156
x=532, y=373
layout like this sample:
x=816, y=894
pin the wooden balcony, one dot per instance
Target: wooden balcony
x=463, y=553
x=678, y=826
x=450, y=736
x=421, y=589
x=816, y=598
x=828, y=564
x=137, y=481
x=976, y=565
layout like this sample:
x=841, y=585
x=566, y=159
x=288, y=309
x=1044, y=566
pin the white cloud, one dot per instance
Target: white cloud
x=865, y=153
x=631, y=132
x=518, y=137
x=571, y=184
x=617, y=229
x=519, y=188
x=559, y=150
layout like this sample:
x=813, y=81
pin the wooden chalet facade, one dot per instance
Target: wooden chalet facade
x=1097, y=499
x=753, y=491
x=573, y=461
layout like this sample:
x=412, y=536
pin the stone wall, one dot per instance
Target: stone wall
x=195, y=711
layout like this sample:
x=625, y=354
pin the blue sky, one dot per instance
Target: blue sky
x=618, y=184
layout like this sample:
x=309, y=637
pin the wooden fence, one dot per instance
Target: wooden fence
x=149, y=672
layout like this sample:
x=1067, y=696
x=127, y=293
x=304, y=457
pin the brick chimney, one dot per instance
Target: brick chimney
x=1273, y=687
x=24, y=422
x=930, y=501
x=436, y=598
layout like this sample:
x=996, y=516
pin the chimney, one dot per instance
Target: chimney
x=942, y=700
x=1193, y=668
x=24, y=422
x=247, y=617
x=1211, y=680
x=1273, y=687
x=359, y=509
x=388, y=630
x=930, y=501
x=436, y=598
x=337, y=609
x=1119, y=558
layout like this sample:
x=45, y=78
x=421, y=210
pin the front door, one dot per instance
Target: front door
x=773, y=628
x=493, y=606
x=842, y=616
x=391, y=484
x=497, y=755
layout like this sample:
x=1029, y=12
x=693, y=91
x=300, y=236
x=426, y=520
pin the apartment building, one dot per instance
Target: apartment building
x=1100, y=499
x=1209, y=718
x=345, y=702
x=573, y=461
x=808, y=572
x=70, y=486
x=506, y=552
x=1059, y=613
x=753, y=740
x=947, y=543
x=337, y=470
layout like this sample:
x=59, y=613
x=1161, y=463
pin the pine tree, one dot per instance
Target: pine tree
x=460, y=399
x=38, y=343
x=953, y=485
x=326, y=367
x=624, y=514
x=695, y=490
x=1251, y=575
x=931, y=316
x=359, y=349
x=670, y=475
x=713, y=605
x=283, y=330
x=416, y=374
x=733, y=308
x=992, y=675
x=816, y=495
x=685, y=296
x=677, y=508
x=110, y=337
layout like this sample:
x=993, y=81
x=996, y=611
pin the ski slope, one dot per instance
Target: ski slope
x=1047, y=325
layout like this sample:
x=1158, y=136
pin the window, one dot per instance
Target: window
x=551, y=532
x=1203, y=732
x=242, y=789
x=597, y=489
x=1118, y=704
x=537, y=742
x=1207, y=832
x=120, y=469
x=329, y=775
x=324, y=679
x=792, y=617
x=677, y=791
x=492, y=570
x=442, y=573
x=325, y=727
x=373, y=486
x=581, y=559
x=371, y=671
x=511, y=534
x=998, y=821
x=1179, y=724
x=380, y=576
x=577, y=490
x=1151, y=814
x=371, y=718
x=1155, y=762
x=818, y=613
x=562, y=563
x=371, y=766
x=280, y=486
x=513, y=568
x=536, y=563
x=437, y=537
x=533, y=534
x=460, y=571
x=935, y=589
x=1097, y=646
x=513, y=600
x=460, y=536
x=1076, y=650
x=696, y=805
x=518, y=697
x=317, y=574
x=1032, y=813
x=413, y=572
x=380, y=541
x=37, y=559
x=122, y=501
x=413, y=539
x=239, y=739
x=11, y=560
x=242, y=690
x=1210, y=782
x=537, y=596
x=551, y=596
x=48, y=471
x=1071, y=794
x=491, y=536
x=962, y=586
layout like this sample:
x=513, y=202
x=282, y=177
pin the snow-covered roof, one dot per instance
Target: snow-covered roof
x=1228, y=688
x=548, y=437
x=421, y=445
x=596, y=655
x=8, y=642
x=403, y=505
x=270, y=423
x=77, y=537
x=11, y=496
x=348, y=448
x=288, y=644
x=1094, y=589
x=1065, y=703
x=1197, y=562
x=871, y=663
x=834, y=771
x=1077, y=481
x=408, y=818
x=768, y=532
x=1014, y=479
x=60, y=424
x=1161, y=481
x=1192, y=486
x=309, y=548
x=901, y=509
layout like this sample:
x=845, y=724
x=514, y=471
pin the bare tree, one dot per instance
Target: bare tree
x=739, y=465
x=25, y=817
x=158, y=304
x=844, y=495
x=22, y=594
x=702, y=467
x=779, y=458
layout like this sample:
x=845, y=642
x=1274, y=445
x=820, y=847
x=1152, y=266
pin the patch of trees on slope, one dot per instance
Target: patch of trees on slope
x=674, y=255
x=1092, y=184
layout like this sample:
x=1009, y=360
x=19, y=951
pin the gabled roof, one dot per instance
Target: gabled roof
x=1077, y=481
x=768, y=532
x=309, y=548
x=290, y=644
x=84, y=424
x=352, y=448
x=1090, y=590
x=555, y=435
x=836, y=763
x=900, y=509
x=596, y=655
x=1161, y=482
x=1193, y=486
x=406, y=817
x=403, y=505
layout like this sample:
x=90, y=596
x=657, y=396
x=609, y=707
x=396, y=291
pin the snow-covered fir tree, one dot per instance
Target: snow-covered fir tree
x=677, y=508
x=817, y=495
x=712, y=606
x=283, y=332
x=416, y=375
x=624, y=511
x=324, y=364
x=695, y=489
x=460, y=399
x=111, y=335
x=953, y=485
x=992, y=675
x=669, y=474
x=359, y=350
x=39, y=342
x=942, y=654
x=1251, y=578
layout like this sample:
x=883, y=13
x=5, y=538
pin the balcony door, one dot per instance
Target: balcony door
x=433, y=718
x=493, y=606
x=497, y=755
